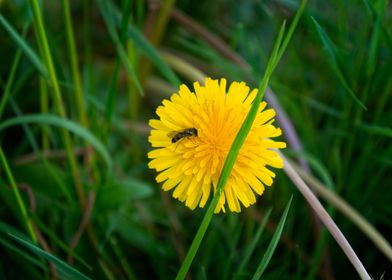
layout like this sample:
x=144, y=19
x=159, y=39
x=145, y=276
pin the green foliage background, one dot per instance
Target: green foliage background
x=129, y=55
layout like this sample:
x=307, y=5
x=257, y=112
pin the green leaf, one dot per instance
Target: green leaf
x=334, y=61
x=36, y=175
x=63, y=123
x=272, y=246
x=135, y=234
x=68, y=271
x=122, y=192
x=24, y=46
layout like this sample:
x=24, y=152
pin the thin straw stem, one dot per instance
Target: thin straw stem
x=324, y=217
x=346, y=209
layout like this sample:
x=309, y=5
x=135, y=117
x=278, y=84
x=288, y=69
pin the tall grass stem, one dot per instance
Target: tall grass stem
x=18, y=197
x=45, y=52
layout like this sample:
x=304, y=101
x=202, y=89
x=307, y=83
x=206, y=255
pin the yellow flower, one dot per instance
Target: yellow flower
x=193, y=136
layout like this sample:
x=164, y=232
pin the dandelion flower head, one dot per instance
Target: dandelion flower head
x=193, y=136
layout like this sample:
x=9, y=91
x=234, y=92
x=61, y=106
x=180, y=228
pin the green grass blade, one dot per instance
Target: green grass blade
x=73, y=62
x=272, y=246
x=63, y=267
x=110, y=24
x=230, y=159
x=247, y=124
x=8, y=229
x=65, y=124
x=375, y=39
x=7, y=90
x=34, y=145
x=334, y=61
x=24, y=47
x=290, y=32
x=145, y=46
x=375, y=129
x=111, y=96
x=372, y=11
x=57, y=241
x=236, y=146
x=15, y=249
x=252, y=246
x=18, y=197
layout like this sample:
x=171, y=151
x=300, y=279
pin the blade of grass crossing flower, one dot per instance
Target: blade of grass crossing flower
x=19, y=200
x=31, y=55
x=234, y=150
x=251, y=248
x=229, y=162
x=247, y=124
x=332, y=53
x=65, y=124
x=292, y=27
x=110, y=24
x=63, y=267
x=272, y=246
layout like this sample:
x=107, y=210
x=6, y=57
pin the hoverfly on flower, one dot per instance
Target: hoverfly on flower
x=186, y=133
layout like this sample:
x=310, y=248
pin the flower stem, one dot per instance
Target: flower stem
x=324, y=217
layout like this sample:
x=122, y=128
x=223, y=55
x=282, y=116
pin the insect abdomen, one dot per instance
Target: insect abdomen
x=183, y=134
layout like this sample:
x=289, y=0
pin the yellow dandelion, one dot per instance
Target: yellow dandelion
x=193, y=136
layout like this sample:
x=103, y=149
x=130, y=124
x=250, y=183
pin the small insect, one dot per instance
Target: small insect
x=177, y=136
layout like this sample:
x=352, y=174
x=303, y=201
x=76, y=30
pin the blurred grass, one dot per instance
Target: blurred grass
x=135, y=231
